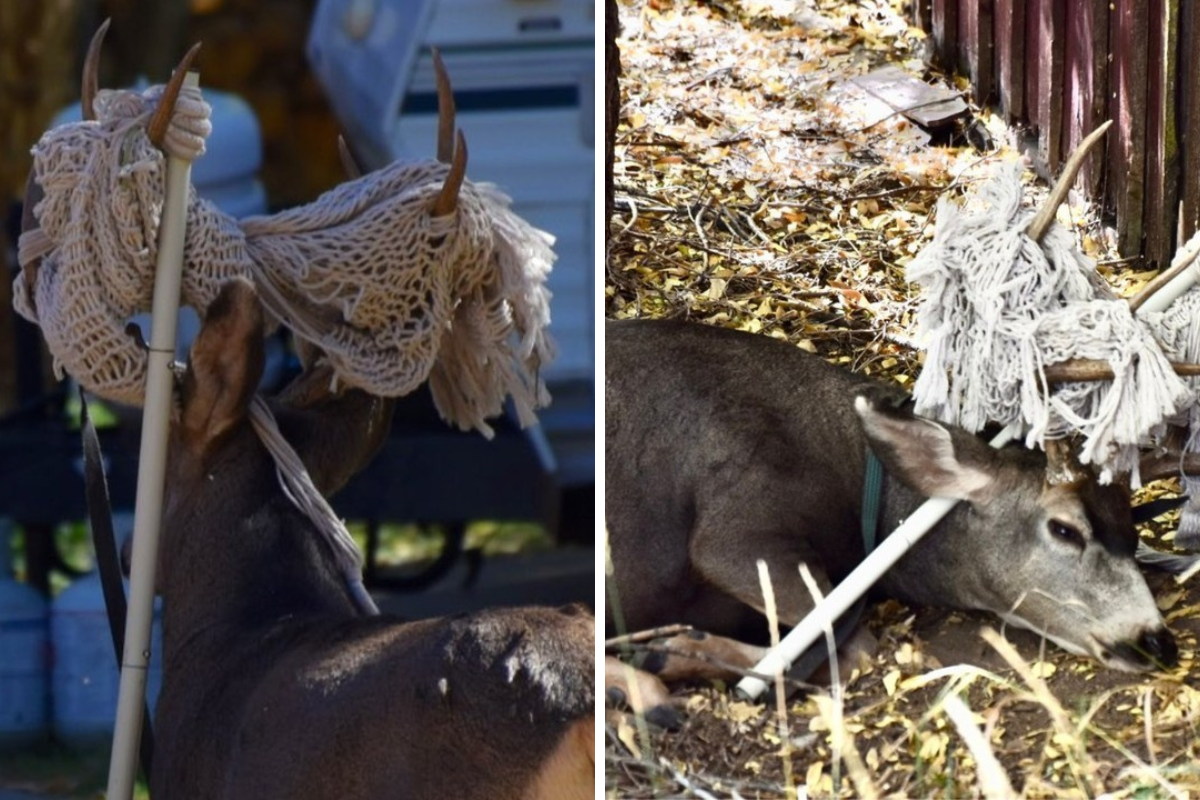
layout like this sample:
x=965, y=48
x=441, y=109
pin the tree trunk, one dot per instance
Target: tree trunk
x=612, y=105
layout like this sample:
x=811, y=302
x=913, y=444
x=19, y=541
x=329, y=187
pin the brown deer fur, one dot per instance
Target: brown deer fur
x=275, y=686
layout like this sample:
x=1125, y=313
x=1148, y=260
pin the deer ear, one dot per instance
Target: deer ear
x=225, y=365
x=926, y=456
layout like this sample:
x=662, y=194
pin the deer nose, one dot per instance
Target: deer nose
x=1153, y=649
x=1159, y=646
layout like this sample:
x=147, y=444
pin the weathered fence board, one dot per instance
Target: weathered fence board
x=1010, y=55
x=944, y=23
x=1086, y=76
x=976, y=46
x=1189, y=77
x=1161, y=146
x=1127, y=145
x=1046, y=46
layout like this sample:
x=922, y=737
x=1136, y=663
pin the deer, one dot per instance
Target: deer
x=723, y=448
x=275, y=684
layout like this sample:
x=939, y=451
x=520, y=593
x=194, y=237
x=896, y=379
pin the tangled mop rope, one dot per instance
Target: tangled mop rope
x=405, y=274
x=1001, y=304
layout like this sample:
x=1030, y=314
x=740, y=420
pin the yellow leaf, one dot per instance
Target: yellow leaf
x=743, y=712
x=890, y=680
x=628, y=736
x=716, y=288
x=933, y=745
x=1168, y=600
x=813, y=779
x=1043, y=669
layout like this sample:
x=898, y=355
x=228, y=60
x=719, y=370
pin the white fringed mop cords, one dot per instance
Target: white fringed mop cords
x=997, y=308
x=391, y=292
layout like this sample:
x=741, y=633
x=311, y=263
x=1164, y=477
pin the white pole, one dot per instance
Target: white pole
x=135, y=659
x=801, y=637
x=1187, y=277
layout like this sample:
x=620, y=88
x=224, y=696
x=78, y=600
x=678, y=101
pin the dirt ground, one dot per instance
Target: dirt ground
x=758, y=188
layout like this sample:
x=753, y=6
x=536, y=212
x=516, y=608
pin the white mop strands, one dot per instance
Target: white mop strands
x=997, y=309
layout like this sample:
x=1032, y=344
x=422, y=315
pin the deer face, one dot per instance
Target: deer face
x=1056, y=558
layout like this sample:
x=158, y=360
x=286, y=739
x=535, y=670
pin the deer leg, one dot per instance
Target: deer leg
x=696, y=655
x=860, y=645
x=783, y=553
x=641, y=692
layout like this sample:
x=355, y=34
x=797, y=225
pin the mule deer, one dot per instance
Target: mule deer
x=274, y=685
x=722, y=448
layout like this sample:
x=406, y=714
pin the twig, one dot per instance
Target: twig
x=1092, y=369
x=785, y=738
x=993, y=780
x=892, y=192
x=646, y=635
x=708, y=77
x=693, y=655
x=1081, y=766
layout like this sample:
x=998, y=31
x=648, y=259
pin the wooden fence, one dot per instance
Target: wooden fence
x=1062, y=67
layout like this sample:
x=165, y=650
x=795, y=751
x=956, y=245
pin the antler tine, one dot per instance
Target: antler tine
x=91, y=73
x=156, y=129
x=1041, y=223
x=348, y=163
x=445, y=135
x=447, y=200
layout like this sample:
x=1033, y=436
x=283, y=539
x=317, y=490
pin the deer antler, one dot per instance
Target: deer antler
x=348, y=163
x=451, y=148
x=1062, y=464
x=447, y=199
x=445, y=95
x=156, y=129
x=90, y=84
x=1041, y=223
x=1086, y=369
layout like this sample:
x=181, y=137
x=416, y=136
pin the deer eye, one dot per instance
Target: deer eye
x=1070, y=535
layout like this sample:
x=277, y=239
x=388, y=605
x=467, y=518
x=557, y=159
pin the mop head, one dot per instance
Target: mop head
x=998, y=308
x=392, y=294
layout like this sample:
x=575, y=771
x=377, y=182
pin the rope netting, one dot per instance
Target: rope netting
x=998, y=308
x=1179, y=336
x=392, y=293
